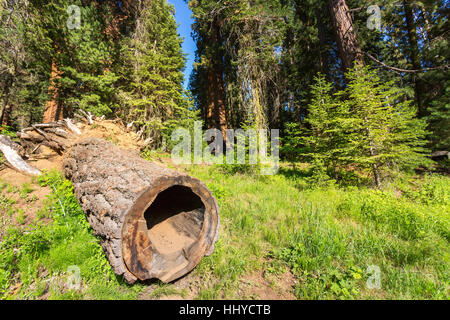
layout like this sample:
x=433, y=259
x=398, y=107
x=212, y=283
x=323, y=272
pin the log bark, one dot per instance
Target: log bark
x=153, y=222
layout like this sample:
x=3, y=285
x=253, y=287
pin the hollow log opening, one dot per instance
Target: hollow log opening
x=169, y=228
x=152, y=222
x=174, y=226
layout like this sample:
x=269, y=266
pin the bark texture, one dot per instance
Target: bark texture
x=216, y=112
x=153, y=222
x=53, y=111
x=346, y=39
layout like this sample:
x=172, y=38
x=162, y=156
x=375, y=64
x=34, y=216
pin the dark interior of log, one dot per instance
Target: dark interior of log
x=174, y=220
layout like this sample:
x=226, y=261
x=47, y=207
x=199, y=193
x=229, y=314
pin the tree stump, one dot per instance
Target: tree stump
x=152, y=221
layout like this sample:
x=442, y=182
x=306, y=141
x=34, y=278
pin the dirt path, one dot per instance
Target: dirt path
x=22, y=200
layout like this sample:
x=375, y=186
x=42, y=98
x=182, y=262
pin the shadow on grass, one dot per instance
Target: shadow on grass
x=304, y=177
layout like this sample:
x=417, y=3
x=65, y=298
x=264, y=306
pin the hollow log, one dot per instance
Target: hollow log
x=153, y=222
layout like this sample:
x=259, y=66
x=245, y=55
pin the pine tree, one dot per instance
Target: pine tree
x=367, y=126
x=151, y=92
x=328, y=128
x=323, y=139
x=87, y=80
x=385, y=134
x=75, y=60
x=21, y=80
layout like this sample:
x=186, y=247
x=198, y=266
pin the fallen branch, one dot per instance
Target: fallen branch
x=58, y=131
x=130, y=126
x=71, y=126
x=13, y=158
x=89, y=116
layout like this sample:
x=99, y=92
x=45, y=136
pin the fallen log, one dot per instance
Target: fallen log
x=153, y=222
x=69, y=124
x=11, y=152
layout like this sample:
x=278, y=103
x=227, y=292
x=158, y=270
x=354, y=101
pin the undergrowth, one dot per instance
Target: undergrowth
x=331, y=239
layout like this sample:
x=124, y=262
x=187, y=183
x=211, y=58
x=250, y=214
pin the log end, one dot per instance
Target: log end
x=169, y=228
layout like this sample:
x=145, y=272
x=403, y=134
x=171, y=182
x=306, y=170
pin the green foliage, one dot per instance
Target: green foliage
x=439, y=118
x=151, y=92
x=8, y=131
x=243, y=143
x=339, y=283
x=66, y=241
x=368, y=126
x=241, y=43
x=328, y=237
x=84, y=64
x=389, y=133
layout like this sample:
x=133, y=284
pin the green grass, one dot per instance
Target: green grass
x=327, y=238
x=37, y=259
x=25, y=191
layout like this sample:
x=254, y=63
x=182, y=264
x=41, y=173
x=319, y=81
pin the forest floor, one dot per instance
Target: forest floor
x=279, y=239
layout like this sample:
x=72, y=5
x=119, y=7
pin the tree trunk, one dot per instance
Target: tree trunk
x=52, y=111
x=414, y=55
x=209, y=118
x=376, y=175
x=323, y=58
x=4, y=120
x=152, y=222
x=216, y=112
x=346, y=39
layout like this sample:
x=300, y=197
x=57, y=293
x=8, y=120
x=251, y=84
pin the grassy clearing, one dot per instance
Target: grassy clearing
x=327, y=239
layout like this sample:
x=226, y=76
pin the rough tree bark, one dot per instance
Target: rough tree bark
x=153, y=222
x=53, y=111
x=4, y=119
x=346, y=39
x=216, y=112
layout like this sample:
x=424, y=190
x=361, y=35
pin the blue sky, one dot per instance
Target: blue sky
x=184, y=21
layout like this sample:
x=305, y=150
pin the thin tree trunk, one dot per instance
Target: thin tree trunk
x=4, y=120
x=346, y=39
x=376, y=175
x=414, y=55
x=323, y=58
x=210, y=108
